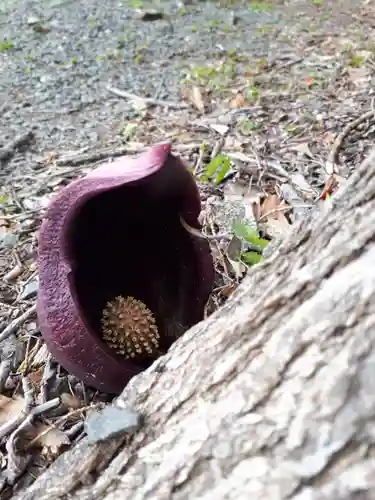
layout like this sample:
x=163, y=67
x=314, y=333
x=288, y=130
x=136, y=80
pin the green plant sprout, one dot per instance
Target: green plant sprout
x=217, y=169
x=251, y=236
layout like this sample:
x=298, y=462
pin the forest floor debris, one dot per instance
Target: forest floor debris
x=269, y=103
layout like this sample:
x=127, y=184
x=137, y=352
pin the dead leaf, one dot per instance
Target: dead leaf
x=36, y=377
x=332, y=184
x=272, y=216
x=70, y=401
x=218, y=127
x=237, y=102
x=270, y=204
x=10, y=408
x=50, y=157
x=39, y=356
x=240, y=191
x=49, y=439
x=194, y=96
x=233, y=254
x=227, y=290
x=328, y=138
x=302, y=148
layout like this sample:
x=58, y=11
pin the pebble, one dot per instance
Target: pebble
x=30, y=290
x=111, y=422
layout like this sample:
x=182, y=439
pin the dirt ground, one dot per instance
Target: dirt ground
x=283, y=90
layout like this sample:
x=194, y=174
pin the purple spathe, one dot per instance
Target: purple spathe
x=115, y=232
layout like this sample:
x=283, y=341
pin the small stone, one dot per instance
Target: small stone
x=30, y=290
x=111, y=422
x=33, y=20
x=149, y=15
x=8, y=240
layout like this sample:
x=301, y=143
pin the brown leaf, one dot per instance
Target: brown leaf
x=50, y=157
x=237, y=102
x=50, y=442
x=270, y=203
x=10, y=408
x=273, y=217
x=328, y=138
x=194, y=96
x=332, y=184
x=227, y=290
x=302, y=148
x=70, y=401
x=39, y=356
x=36, y=377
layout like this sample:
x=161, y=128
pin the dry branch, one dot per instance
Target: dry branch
x=330, y=166
x=146, y=100
x=271, y=397
x=20, y=140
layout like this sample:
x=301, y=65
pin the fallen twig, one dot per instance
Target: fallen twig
x=283, y=209
x=28, y=407
x=147, y=100
x=198, y=234
x=94, y=156
x=80, y=159
x=20, y=140
x=287, y=64
x=17, y=461
x=61, y=420
x=17, y=322
x=199, y=163
x=330, y=165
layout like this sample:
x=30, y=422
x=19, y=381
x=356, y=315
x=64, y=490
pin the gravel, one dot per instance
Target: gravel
x=64, y=54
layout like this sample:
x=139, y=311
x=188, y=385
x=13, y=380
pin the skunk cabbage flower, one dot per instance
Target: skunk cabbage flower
x=120, y=278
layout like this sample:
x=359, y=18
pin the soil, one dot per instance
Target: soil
x=270, y=84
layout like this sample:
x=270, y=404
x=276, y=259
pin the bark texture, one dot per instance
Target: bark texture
x=272, y=397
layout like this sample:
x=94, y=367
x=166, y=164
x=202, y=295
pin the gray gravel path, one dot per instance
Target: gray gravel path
x=58, y=56
x=55, y=82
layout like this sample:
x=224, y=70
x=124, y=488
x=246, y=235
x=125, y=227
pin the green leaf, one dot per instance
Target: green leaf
x=220, y=165
x=222, y=172
x=251, y=258
x=215, y=164
x=3, y=199
x=128, y=131
x=250, y=234
x=6, y=45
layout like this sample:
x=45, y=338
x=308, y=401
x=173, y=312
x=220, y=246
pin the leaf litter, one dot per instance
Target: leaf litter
x=269, y=138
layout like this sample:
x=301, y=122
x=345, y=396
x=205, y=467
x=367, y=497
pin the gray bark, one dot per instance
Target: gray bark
x=272, y=397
